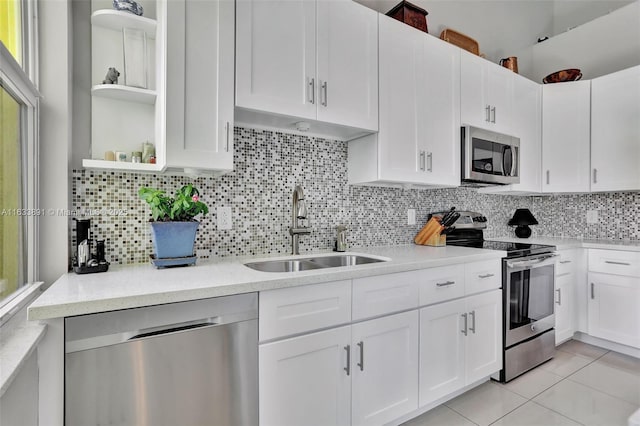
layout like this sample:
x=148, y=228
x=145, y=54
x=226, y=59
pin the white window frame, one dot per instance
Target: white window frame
x=15, y=80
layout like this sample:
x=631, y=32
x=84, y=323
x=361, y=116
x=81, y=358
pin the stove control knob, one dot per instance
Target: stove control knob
x=533, y=328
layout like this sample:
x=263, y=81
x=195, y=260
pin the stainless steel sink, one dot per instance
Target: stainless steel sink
x=310, y=263
x=283, y=265
x=343, y=260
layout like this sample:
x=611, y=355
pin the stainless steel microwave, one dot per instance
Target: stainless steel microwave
x=489, y=158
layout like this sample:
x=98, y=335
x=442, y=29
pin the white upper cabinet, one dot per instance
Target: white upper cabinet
x=200, y=85
x=310, y=60
x=276, y=56
x=419, y=137
x=615, y=131
x=486, y=94
x=565, y=136
x=527, y=126
x=347, y=64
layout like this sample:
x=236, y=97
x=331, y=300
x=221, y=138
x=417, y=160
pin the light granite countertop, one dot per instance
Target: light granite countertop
x=124, y=287
x=567, y=243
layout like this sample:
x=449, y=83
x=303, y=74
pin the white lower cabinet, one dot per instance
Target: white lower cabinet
x=305, y=380
x=614, y=308
x=567, y=282
x=384, y=361
x=308, y=380
x=614, y=296
x=460, y=343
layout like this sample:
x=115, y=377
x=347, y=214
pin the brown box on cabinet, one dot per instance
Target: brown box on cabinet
x=410, y=14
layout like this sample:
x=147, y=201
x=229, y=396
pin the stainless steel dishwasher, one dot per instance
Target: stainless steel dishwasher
x=188, y=363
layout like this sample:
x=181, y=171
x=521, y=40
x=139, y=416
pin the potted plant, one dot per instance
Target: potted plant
x=173, y=227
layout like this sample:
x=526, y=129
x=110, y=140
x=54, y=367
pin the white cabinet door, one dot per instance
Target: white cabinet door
x=306, y=380
x=442, y=350
x=384, y=361
x=402, y=101
x=440, y=126
x=565, y=137
x=347, y=64
x=564, y=309
x=484, y=335
x=200, y=84
x=486, y=92
x=276, y=57
x=527, y=126
x=615, y=131
x=500, y=97
x=614, y=308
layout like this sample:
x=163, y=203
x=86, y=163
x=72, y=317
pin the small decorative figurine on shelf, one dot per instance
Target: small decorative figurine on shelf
x=111, y=77
x=128, y=6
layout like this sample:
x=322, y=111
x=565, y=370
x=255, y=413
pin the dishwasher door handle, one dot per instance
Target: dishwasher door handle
x=133, y=335
x=173, y=328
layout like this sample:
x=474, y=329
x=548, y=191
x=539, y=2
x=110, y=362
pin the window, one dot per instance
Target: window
x=18, y=149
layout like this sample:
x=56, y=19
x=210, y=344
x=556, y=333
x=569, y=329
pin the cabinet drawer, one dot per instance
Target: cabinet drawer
x=440, y=284
x=301, y=309
x=483, y=276
x=384, y=294
x=567, y=261
x=615, y=262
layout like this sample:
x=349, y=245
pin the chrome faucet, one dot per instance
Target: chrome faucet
x=298, y=211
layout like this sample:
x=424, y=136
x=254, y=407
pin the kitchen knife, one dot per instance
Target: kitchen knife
x=447, y=215
x=451, y=219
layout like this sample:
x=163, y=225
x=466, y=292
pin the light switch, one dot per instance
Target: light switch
x=411, y=217
x=224, y=217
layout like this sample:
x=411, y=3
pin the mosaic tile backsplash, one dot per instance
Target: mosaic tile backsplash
x=268, y=165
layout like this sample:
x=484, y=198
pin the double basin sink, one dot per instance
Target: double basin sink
x=310, y=263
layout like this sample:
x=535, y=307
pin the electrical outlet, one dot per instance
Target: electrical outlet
x=224, y=217
x=411, y=217
x=592, y=216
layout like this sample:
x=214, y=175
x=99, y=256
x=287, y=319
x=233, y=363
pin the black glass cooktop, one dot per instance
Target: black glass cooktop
x=513, y=249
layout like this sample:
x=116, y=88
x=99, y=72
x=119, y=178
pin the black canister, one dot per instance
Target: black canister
x=100, y=251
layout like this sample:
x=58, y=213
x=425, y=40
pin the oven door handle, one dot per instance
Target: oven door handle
x=535, y=262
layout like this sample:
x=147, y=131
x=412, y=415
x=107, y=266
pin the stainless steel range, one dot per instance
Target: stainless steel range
x=528, y=283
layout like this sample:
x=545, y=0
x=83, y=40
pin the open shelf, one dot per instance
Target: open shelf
x=117, y=20
x=125, y=93
x=121, y=165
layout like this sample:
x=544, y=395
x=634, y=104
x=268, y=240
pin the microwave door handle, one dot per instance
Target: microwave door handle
x=514, y=160
x=504, y=161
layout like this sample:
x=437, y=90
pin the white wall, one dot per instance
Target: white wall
x=55, y=135
x=571, y=13
x=602, y=46
x=502, y=28
x=19, y=404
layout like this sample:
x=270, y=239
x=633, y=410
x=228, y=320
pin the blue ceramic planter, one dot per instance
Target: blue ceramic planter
x=173, y=239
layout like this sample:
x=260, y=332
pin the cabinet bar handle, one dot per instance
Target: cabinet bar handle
x=446, y=283
x=485, y=276
x=227, y=130
x=422, y=160
x=493, y=110
x=593, y=294
x=487, y=110
x=312, y=89
x=464, y=330
x=611, y=262
x=430, y=161
x=559, y=302
x=472, y=314
x=324, y=90
x=348, y=367
x=361, y=363
x=548, y=177
x=595, y=175
x=565, y=261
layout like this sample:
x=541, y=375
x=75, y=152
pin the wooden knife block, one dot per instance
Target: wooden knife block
x=430, y=235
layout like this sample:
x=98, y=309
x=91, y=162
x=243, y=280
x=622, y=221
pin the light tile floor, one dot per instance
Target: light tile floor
x=582, y=385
